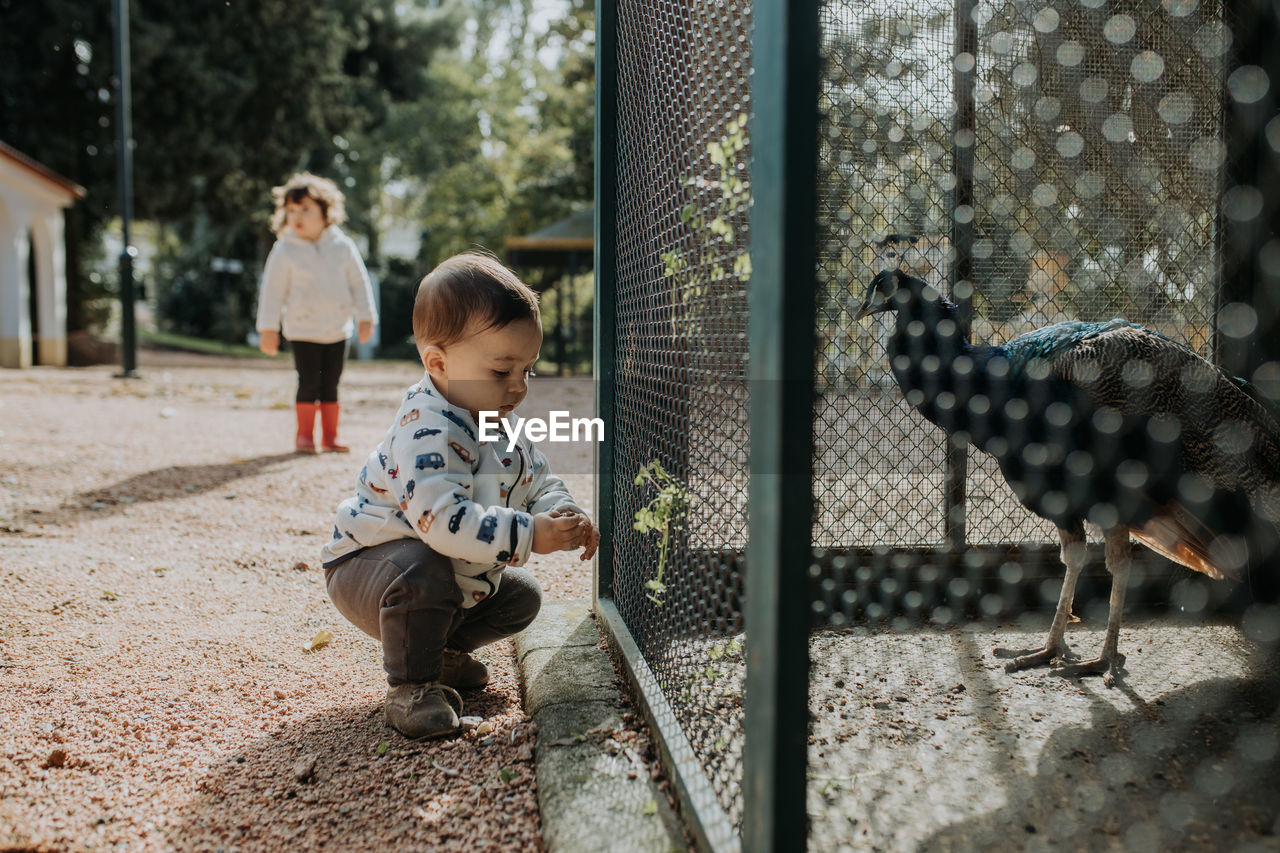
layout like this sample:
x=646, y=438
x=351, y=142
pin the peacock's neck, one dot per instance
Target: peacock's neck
x=929, y=332
x=935, y=365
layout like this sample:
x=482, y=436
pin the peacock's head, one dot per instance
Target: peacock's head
x=881, y=292
x=895, y=251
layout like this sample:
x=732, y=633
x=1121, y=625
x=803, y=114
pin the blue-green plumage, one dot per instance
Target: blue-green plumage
x=1050, y=341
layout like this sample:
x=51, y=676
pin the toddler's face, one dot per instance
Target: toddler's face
x=489, y=370
x=304, y=218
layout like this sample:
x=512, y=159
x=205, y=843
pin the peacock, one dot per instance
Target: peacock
x=1106, y=422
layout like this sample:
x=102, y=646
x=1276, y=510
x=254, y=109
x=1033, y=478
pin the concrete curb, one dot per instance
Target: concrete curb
x=585, y=797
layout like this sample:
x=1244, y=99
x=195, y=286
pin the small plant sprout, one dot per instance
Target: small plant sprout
x=661, y=514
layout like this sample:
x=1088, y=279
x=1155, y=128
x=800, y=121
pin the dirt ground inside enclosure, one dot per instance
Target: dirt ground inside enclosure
x=159, y=589
x=922, y=742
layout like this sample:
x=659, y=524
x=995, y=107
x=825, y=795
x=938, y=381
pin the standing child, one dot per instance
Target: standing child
x=315, y=281
x=425, y=555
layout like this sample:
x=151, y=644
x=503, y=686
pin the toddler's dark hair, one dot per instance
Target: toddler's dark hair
x=470, y=292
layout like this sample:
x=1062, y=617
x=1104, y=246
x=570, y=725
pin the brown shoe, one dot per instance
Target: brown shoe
x=423, y=710
x=463, y=672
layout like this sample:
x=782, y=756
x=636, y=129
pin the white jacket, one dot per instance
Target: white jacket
x=315, y=287
x=431, y=479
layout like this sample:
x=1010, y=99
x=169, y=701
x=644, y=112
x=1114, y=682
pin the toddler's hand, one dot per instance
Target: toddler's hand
x=589, y=536
x=554, y=531
x=268, y=341
x=364, y=331
x=590, y=539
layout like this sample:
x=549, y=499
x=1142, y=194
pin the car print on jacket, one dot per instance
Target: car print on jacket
x=408, y=494
x=456, y=521
x=459, y=421
x=479, y=513
x=364, y=480
x=429, y=460
x=424, y=521
x=463, y=453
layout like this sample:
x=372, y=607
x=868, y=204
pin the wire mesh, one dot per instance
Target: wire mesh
x=1038, y=163
x=1097, y=166
x=680, y=393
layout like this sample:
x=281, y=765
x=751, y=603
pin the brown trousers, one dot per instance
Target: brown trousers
x=403, y=594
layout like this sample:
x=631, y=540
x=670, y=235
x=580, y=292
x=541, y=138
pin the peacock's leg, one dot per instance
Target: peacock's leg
x=1074, y=557
x=1119, y=554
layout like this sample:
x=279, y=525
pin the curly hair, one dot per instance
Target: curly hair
x=324, y=191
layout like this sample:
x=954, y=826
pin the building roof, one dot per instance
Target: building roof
x=42, y=171
x=575, y=232
x=567, y=245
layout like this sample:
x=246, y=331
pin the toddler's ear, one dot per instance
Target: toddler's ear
x=433, y=360
x=433, y=357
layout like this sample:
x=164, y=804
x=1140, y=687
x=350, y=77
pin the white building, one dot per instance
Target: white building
x=33, y=261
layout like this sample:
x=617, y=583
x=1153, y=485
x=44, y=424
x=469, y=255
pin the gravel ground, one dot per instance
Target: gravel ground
x=922, y=741
x=159, y=593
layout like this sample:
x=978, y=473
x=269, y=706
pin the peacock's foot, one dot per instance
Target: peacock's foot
x=1025, y=659
x=1109, y=667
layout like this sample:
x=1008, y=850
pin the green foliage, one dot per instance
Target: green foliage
x=185, y=343
x=716, y=209
x=662, y=514
x=475, y=141
x=398, y=283
x=527, y=161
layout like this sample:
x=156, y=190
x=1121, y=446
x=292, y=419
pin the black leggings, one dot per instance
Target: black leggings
x=319, y=368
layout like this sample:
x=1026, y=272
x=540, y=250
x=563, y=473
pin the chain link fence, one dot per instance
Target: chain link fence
x=1037, y=163
x=680, y=405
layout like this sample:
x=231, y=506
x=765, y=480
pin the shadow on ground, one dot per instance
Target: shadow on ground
x=176, y=481
x=172, y=483
x=1196, y=769
x=927, y=744
x=343, y=780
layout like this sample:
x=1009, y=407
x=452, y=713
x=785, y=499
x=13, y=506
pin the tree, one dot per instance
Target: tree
x=483, y=123
x=229, y=98
x=55, y=79
x=530, y=161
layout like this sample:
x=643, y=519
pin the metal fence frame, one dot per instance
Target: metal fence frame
x=783, y=132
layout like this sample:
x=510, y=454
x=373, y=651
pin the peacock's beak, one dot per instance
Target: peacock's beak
x=876, y=300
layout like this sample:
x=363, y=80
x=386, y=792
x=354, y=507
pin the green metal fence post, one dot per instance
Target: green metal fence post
x=963, y=145
x=782, y=338
x=606, y=199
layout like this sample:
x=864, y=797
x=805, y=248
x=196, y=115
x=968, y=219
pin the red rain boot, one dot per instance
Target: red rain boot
x=306, y=438
x=329, y=428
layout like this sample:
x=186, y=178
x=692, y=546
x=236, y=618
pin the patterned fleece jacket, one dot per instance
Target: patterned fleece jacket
x=432, y=479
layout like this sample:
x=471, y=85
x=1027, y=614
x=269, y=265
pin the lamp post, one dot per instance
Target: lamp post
x=124, y=181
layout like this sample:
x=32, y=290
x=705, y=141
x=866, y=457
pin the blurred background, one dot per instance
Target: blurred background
x=448, y=125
